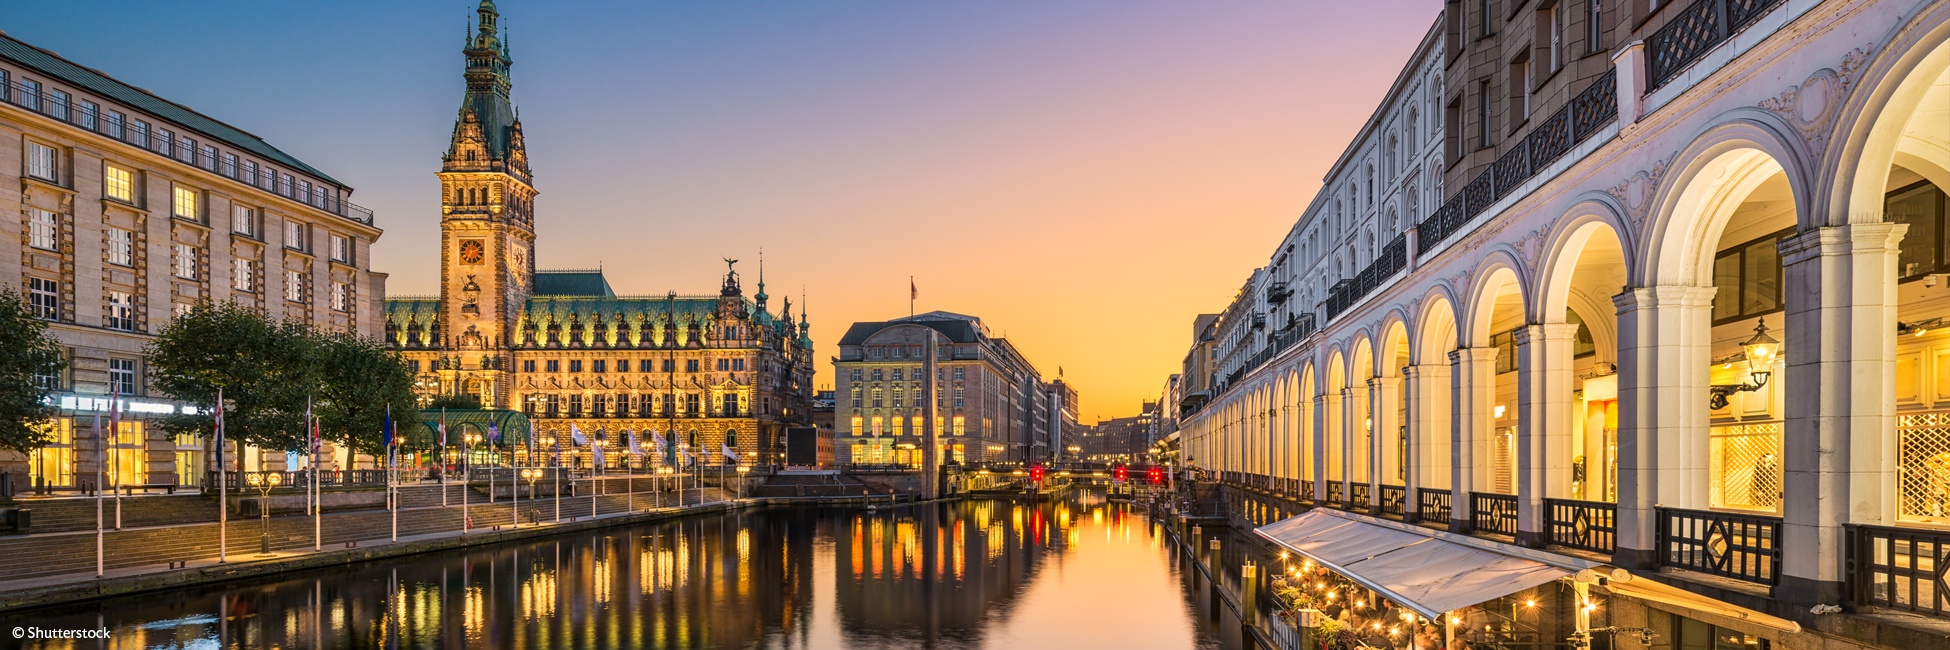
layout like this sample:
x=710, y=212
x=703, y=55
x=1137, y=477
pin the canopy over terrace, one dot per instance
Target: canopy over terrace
x=512, y=427
x=1434, y=572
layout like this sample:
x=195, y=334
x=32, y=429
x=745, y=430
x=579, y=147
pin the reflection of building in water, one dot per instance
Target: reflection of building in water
x=978, y=559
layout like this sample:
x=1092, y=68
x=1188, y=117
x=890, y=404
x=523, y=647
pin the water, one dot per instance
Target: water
x=1082, y=574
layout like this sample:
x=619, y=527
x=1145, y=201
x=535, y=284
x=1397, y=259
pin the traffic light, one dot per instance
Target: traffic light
x=1157, y=475
x=1036, y=473
x=1122, y=473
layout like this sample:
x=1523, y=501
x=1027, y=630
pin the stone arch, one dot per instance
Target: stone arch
x=1359, y=404
x=1333, y=417
x=1435, y=333
x=1894, y=83
x=1309, y=425
x=1706, y=181
x=1498, y=281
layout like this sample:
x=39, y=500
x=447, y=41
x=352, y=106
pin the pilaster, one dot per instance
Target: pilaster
x=1385, y=451
x=1664, y=350
x=1474, y=383
x=1544, y=421
x=1428, y=395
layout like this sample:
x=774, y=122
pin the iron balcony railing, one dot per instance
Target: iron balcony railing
x=1899, y=568
x=1493, y=513
x=1360, y=496
x=1694, y=31
x=44, y=101
x=1739, y=546
x=1432, y=505
x=1586, y=525
x=1336, y=496
x=1393, y=498
x=1307, y=490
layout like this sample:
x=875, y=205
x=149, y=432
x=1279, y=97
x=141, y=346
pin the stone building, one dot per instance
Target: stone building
x=992, y=404
x=700, y=370
x=129, y=209
x=1680, y=305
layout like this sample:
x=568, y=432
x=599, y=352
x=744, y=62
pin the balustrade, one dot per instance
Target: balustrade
x=1741, y=546
x=1586, y=525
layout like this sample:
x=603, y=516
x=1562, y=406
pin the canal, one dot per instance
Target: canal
x=969, y=574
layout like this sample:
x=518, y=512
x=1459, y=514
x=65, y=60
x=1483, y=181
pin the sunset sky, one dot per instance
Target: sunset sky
x=1084, y=176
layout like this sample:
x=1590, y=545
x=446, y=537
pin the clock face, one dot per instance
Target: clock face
x=471, y=251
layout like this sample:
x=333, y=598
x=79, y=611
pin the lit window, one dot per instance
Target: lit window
x=44, y=298
x=45, y=230
x=186, y=203
x=121, y=247
x=186, y=258
x=118, y=183
x=41, y=162
x=121, y=312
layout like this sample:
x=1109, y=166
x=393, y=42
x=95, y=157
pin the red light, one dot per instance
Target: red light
x=1036, y=473
x=1123, y=473
x=1156, y=475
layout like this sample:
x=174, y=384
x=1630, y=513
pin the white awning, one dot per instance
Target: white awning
x=1645, y=589
x=1429, y=571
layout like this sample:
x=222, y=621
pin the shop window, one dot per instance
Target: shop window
x=1923, y=467
x=128, y=461
x=1748, y=279
x=1746, y=466
x=1506, y=350
x=53, y=465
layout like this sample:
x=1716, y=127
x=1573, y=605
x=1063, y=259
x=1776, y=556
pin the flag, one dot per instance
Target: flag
x=598, y=451
x=729, y=454
x=913, y=292
x=385, y=431
x=575, y=433
x=220, y=466
x=494, y=434
x=689, y=458
x=636, y=447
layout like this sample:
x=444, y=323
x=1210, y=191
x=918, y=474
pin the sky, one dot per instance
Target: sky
x=1085, y=176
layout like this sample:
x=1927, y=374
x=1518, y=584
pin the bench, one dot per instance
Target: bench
x=130, y=488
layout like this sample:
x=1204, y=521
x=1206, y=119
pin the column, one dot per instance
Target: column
x=1664, y=350
x=1428, y=431
x=1544, y=375
x=1473, y=379
x=1386, y=450
x=1840, y=436
x=1320, y=436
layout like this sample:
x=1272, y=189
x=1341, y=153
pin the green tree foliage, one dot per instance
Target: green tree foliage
x=359, y=381
x=270, y=372
x=26, y=355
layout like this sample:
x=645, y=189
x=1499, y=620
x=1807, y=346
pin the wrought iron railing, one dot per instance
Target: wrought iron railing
x=1587, y=525
x=1392, y=499
x=1432, y=505
x=1361, y=496
x=1307, y=490
x=1899, y=568
x=1336, y=497
x=1694, y=31
x=1589, y=111
x=89, y=117
x=1740, y=546
x=1494, y=513
x=334, y=478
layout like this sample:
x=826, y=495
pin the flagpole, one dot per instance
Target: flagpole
x=115, y=428
x=442, y=459
x=318, y=503
x=223, y=490
x=392, y=470
x=101, y=458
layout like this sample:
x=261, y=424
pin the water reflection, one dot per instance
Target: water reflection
x=956, y=575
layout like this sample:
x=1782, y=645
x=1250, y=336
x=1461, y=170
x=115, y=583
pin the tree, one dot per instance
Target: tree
x=359, y=380
x=266, y=370
x=27, y=355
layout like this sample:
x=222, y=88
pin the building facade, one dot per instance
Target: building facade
x=991, y=403
x=701, y=371
x=131, y=208
x=1683, y=288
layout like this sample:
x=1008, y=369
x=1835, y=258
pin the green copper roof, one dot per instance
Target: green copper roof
x=71, y=73
x=572, y=283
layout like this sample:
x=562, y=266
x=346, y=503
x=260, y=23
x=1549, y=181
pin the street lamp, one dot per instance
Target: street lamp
x=263, y=482
x=531, y=475
x=742, y=469
x=666, y=472
x=1760, y=352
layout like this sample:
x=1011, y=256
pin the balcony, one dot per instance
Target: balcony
x=1277, y=293
x=1696, y=30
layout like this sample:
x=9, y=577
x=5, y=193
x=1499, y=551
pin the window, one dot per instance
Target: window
x=1594, y=26
x=121, y=247
x=44, y=298
x=186, y=258
x=186, y=149
x=181, y=309
x=1506, y=350
x=1550, y=20
x=575, y=365
x=294, y=236
x=730, y=404
x=243, y=221
x=139, y=133
x=44, y=230
x=876, y=374
x=284, y=184
x=230, y=164
x=89, y=110
x=1922, y=207
x=294, y=286
x=117, y=125
x=670, y=365
x=121, y=376
x=877, y=399
x=121, y=312
x=598, y=366
x=243, y=275
x=1484, y=18
x=554, y=365
x=960, y=374
x=41, y=162
x=1582, y=345
x=186, y=204
x=856, y=374
x=58, y=104
x=209, y=158
x=341, y=296
x=1483, y=113
x=898, y=374
x=341, y=249
x=1748, y=277
x=30, y=94
x=622, y=365
x=250, y=172
x=1519, y=84
x=690, y=365
x=118, y=183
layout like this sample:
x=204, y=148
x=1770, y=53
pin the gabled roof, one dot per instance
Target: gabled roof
x=572, y=283
x=74, y=74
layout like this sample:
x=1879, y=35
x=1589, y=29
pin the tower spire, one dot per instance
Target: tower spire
x=760, y=297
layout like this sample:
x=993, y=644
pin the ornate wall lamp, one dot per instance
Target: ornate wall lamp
x=1760, y=351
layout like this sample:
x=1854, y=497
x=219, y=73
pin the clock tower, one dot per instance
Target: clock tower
x=487, y=227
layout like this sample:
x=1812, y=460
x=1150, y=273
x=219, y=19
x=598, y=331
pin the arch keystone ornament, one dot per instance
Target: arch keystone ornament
x=1813, y=105
x=1635, y=193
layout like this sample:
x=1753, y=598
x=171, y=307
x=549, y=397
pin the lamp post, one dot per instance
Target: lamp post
x=742, y=470
x=466, y=477
x=263, y=482
x=1760, y=351
x=531, y=475
x=664, y=472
